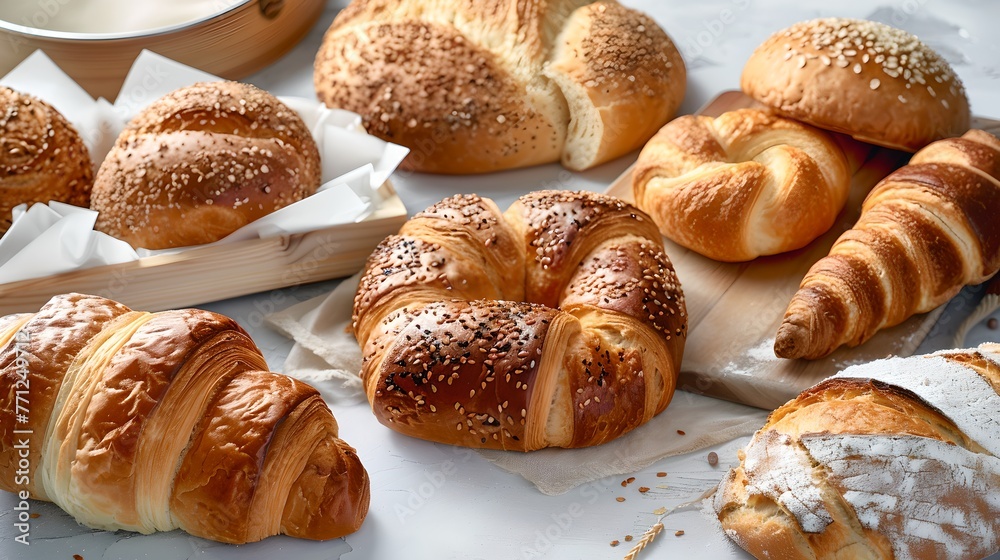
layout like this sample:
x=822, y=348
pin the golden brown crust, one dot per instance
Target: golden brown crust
x=481, y=86
x=925, y=231
x=42, y=157
x=41, y=354
x=452, y=353
x=745, y=184
x=164, y=421
x=202, y=162
x=872, y=81
x=622, y=78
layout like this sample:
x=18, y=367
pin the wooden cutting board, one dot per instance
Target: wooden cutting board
x=734, y=309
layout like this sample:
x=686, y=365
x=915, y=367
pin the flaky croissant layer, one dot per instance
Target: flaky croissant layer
x=925, y=231
x=158, y=421
x=558, y=323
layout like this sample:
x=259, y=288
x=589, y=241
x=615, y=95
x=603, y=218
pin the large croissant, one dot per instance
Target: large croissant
x=454, y=352
x=925, y=231
x=157, y=421
x=897, y=458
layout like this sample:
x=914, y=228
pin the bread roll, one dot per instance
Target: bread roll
x=472, y=87
x=42, y=157
x=742, y=185
x=158, y=421
x=558, y=323
x=894, y=459
x=202, y=162
x=879, y=84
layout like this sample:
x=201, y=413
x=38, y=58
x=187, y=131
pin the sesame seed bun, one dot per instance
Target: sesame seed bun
x=874, y=82
x=42, y=157
x=202, y=162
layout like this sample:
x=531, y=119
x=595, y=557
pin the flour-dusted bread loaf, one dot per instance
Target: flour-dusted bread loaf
x=745, y=184
x=202, y=162
x=158, y=421
x=472, y=87
x=925, y=231
x=877, y=83
x=558, y=323
x=42, y=157
x=893, y=459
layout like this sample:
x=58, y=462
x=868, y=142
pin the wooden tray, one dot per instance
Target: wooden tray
x=211, y=273
x=734, y=309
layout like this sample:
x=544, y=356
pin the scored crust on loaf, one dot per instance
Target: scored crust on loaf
x=42, y=157
x=559, y=323
x=473, y=87
x=877, y=83
x=201, y=162
x=896, y=458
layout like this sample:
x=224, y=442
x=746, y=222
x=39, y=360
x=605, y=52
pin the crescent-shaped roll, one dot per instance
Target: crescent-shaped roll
x=158, y=421
x=558, y=323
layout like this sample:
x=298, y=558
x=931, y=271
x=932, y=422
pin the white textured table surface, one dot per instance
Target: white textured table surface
x=435, y=501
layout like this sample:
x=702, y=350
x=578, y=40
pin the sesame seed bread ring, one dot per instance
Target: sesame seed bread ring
x=42, y=157
x=745, y=184
x=559, y=323
x=473, y=87
x=202, y=162
x=879, y=84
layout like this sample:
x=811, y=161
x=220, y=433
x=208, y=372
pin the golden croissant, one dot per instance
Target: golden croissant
x=745, y=184
x=559, y=323
x=925, y=231
x=157, y=421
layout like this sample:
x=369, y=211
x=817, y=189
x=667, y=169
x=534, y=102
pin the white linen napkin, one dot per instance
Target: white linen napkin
x=326, y=355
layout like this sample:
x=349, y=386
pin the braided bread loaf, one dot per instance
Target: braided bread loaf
x=558, y=323
x=898, y=458
x=472, y=87
x=157, y=421
x=742, y=185
x=925, y=231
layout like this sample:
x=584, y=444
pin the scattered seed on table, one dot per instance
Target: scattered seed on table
x=680, y=432
x=992, y=323
x=628, y=538
x=643, y=489
x=661, y=474
x=679, y=533
x=713, y=458
x=619, y=499
x=614, y=543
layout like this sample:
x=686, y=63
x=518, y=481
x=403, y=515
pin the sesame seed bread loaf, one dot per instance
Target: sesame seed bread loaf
x=877, y=83
x=42, y=157
x=925, y=231
x=559, y=323
x=893, y=459
x=158, y=421
x=202, y=162
x=745, y=184
x=473, y=87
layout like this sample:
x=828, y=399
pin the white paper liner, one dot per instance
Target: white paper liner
x=327, y=356
x=57, y=239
